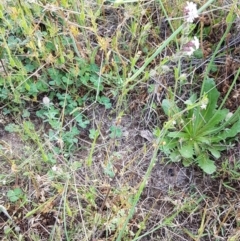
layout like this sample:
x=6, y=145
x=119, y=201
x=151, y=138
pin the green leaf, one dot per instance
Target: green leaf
x=14, y=194
x=230, y=16
x=214, y=152
x=93, y=133
x=116, y=132
x=206, y=164
x=67, y=81
x=198, y=54
x=25, y=113
x=191, y=100
x=105, y=101
x=168, y=144
x=209, y=127
x=187, y=151
x=169, y=107
x=175, y=157
x=187, y=162
x=213, y=68
x=203, y=139
x=228, y=132
x=76, y=165
x=81, y=121
x=12, y=128
x=210, y=89
x=235, y=117
x=177, y=134
x=108, y=170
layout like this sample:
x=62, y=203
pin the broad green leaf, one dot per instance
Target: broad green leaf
x=228, y=132
x=191, y=100
x=219, y=116
x=187, y=151
x=210, y=89
x=206, y=164
x=203, y=139
x=168, y=144
x=176, y=134
x=169, y=107
x=235, y=117
x=214, y=152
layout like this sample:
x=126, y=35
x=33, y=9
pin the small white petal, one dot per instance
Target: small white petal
x=46, y=101
x=195, y=41
x=203, y=106
x=190, y=12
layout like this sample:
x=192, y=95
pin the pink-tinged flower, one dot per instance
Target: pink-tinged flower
x=191, y=46
x=190, y=12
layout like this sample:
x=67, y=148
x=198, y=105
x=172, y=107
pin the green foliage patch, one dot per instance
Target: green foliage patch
x=200, y=132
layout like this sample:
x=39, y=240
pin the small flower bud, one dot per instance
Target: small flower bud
x=46, y=101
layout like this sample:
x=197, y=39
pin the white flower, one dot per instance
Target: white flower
x=190, y=12
x=204, y=103
x=195, y=41
x=46, y=101
x=203, y=106
x=17, y=229
x=191, y=46
x=174, y=122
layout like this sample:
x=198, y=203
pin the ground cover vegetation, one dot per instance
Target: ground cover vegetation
x=119, y=120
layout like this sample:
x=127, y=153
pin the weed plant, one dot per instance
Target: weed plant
x=200, y=131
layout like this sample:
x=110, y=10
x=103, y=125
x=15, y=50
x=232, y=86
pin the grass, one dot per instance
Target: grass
x=88, y=165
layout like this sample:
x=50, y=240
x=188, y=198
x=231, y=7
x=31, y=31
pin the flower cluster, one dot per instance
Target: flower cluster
x=191, y=46
x=190, y=12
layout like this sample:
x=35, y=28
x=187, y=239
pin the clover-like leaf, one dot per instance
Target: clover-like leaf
x=14, y=194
